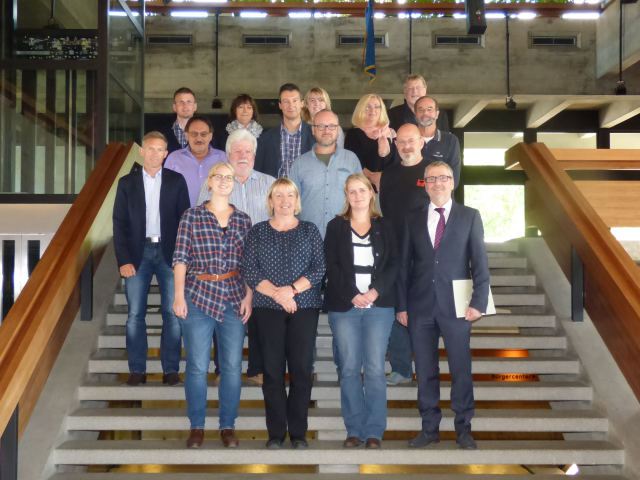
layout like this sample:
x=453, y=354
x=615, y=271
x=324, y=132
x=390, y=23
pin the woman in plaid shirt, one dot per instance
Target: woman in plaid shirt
x=211, y=294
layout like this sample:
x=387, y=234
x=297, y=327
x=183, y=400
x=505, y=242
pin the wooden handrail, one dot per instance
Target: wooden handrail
x=589, y=159
x=32, y=333
x=567, y=220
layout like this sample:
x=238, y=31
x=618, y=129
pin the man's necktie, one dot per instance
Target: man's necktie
x=439, y=228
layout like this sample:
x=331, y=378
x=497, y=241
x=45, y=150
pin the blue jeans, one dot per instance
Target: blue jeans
x=400, y=350
x=361, y=336
x=136, y=289
x=198, y=330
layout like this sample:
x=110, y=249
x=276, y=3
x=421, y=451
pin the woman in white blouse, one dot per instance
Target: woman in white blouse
x=362, y=264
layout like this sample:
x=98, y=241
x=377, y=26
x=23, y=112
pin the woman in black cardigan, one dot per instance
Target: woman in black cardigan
x=362, y=264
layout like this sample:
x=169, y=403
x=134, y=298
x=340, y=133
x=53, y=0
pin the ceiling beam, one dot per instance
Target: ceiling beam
x=617, y=112
x=543, y=110
x=357, y=8
x=465, y=111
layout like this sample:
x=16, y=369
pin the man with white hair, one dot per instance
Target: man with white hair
x=251, y=187
x=249, y=195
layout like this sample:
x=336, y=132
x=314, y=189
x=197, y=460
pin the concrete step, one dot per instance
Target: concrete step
x=535, y=365
x=310, y=476
x=490, y=452
x=512, y=246
x=485, y=341
x=500, y=299
x=154, y=319
x=321, y=419
x=482, y=391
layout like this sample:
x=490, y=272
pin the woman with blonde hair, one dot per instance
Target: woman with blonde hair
x=362, y=265
x=315, y=100
x=284, y=264
x=372, y=139
x=211, y=295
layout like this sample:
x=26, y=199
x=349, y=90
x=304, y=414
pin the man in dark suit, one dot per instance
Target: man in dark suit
x=148, y=206
x=415, y=87
x=441, y=240
x=280, y=146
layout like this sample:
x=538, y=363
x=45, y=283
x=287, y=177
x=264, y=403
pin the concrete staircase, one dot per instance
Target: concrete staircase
x=534, y=405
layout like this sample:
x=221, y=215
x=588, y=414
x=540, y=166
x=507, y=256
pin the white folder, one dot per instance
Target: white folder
x=462, y=291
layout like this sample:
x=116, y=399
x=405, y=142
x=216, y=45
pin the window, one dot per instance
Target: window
x=265, y=40
x=544, y=41
x=351, y=40
x=568, y=140
x=625, y=140
x=487, y=148
x=501, y=208
x=459, y=40
x=169, y=39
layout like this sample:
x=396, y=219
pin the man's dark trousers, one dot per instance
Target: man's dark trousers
x=425, y=332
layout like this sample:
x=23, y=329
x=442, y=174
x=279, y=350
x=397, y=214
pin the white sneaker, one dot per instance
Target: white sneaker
x=395, y=378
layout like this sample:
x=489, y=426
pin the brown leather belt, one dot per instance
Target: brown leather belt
x=217, y=278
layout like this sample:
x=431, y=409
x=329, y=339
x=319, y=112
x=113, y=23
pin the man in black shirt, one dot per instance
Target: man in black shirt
x=402, y=190
x=415, y=87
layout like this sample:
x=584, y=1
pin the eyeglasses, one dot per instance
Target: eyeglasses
x=428, y=109
x=414, y=89
x=439, y=178
x=196, y=134
x=322, y=127
x=402, y=143
x=374, y=107
x=226, y=178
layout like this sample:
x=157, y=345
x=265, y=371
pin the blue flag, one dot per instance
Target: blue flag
x=369, y=45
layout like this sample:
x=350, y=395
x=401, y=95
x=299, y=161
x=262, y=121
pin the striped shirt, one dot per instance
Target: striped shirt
x=362, y=260
x=204, y=247
x=179, y=133
x=290, y=149
x=249, y=197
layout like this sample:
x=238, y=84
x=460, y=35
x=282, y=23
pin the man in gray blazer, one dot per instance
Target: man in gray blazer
x=443, y=241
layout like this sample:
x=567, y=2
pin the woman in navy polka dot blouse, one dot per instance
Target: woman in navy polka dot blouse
x=284, y=264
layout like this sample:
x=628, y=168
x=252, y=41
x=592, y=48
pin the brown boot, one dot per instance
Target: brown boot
x=229, y=439
x=195, y=438
x=136, y=379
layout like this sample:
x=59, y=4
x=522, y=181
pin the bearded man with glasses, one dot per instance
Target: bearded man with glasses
x=195, y=161
x=402, y=188
x=320, y=174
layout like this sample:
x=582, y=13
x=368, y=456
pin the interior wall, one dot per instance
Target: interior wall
x=76, y=14
x=314, y=59
x=608, y=38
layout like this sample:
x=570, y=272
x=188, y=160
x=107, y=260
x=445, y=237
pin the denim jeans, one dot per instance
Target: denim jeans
x=361, y=336
x=198, y=330
x=136, y=289
x=400, y=350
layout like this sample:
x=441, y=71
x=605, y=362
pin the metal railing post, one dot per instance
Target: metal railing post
x=86, y=290
x=9, y=449
x=577, y=287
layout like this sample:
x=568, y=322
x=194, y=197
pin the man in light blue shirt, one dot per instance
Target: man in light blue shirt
x=250, y=189
x=195, y=161
x=320, y=174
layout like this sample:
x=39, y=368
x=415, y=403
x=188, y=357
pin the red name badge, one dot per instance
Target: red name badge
x=421, y=183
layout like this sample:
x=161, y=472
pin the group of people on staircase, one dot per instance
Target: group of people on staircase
x=249, y=239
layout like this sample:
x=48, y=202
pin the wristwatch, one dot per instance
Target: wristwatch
x=295, y=290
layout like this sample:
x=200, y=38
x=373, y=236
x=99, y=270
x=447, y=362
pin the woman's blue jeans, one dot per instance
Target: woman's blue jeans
x=361, y=336
x=197, y=331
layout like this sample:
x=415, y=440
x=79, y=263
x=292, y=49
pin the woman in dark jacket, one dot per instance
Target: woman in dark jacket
x=362, y=264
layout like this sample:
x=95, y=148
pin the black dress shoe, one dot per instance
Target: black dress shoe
x=274, y=444
x=171, y=379
x=136, y=379
x=423, y=439
x=466, y=442
x=299, y=443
